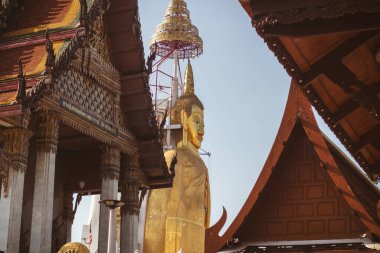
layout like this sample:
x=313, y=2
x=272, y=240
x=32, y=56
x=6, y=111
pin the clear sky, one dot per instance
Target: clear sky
x=244, y=90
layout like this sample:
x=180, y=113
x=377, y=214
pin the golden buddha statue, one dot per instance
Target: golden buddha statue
x=177, y=217
x=74, y=247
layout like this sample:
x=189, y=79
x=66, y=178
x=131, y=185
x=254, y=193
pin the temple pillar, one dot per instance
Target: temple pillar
x=14, y=162
x=130, y=211
x=110, y=170
x=68, y=214
x=42, y=212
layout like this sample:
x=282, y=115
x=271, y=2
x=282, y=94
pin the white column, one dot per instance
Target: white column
x=132, y=178
x=129, y=226
x=14, y=157
x=42, y=213
x=110, y=170
x=111, y=230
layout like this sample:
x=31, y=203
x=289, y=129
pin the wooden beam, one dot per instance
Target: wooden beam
x=318, y=26
x=132, y=76
x=133, y=92
x=121, y=9
x=148, y=142
x=149, y=155
x=343, y=111
x=341, y=76
x=336, y=55
x=265, y=6
x=376, y=167
x=135, y=108
x=141, y=123
x=159, y=184
x=348, y=82
x=370, y=136
x=123, y=49
x=120, y=29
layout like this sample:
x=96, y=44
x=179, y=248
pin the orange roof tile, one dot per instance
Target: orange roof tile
x=38, y=15
x=33, y=60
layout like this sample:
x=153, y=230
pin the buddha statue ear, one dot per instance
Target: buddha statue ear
x=184, y=118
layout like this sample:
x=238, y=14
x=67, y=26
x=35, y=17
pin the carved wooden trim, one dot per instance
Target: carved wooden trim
x=17, y=145
x=110, y=162
x=124, y=139
x=89, y=62
x=47, y=131
x=88, y=51
x=6, y=8
x=332, y=9
x=5, y=164
x=14, y=156
x=68, y=213
x=133, y=179
x=337, y=129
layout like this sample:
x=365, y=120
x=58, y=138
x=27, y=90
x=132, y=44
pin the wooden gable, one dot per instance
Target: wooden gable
x=306, y=191
x=299, y=201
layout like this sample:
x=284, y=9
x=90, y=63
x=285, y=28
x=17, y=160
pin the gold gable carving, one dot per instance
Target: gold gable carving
x=86, y=97
x=98, y=38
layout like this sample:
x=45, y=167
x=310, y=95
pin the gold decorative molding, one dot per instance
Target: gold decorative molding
x=47, y=131
x=110, y=162
x=98, y=37
x=5, y=164
x=89, y=62
x=15, y=153
x=124, y=139
x=17, y=143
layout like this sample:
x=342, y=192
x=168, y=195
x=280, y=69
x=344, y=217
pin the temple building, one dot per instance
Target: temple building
x=309, y=196
x=76, y=116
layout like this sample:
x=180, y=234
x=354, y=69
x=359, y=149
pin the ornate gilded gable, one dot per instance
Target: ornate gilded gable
x=89, y=99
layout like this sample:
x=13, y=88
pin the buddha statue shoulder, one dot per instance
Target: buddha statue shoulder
x=177, y=217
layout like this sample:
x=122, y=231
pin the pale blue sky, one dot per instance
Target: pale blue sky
x=244, y=91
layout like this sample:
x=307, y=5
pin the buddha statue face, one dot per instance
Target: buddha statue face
x=195, y=127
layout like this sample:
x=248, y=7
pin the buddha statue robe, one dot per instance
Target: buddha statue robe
x=177, y=217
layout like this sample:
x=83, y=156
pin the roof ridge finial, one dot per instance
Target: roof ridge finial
x=21, y=89
x=189, y=79
x=50, y=58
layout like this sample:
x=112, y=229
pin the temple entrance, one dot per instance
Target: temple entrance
x=77, y=171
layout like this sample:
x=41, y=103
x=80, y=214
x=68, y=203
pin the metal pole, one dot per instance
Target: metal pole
x=175, y=80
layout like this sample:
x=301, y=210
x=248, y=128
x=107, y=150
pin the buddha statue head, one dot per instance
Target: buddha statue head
x=188, y=111
x=74, y=247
